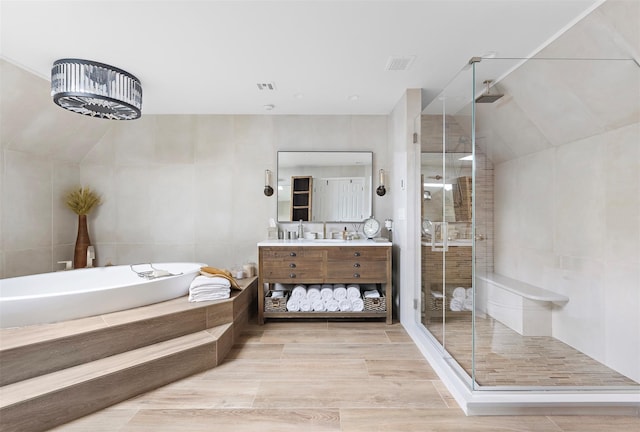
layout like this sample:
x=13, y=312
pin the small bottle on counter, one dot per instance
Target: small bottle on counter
x=344, y=234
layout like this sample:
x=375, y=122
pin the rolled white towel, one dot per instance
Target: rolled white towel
x=338, y=285
x=468, y=304
x=357, y=305
x=317, y=305
x=353, y=292
x=345, y=305
x=459, y=293
x=340, y=293
x=456, y=304
x=469, y=292
x=332, y=305
x=293, y=305
x=299, y=292
x=371, y=294
x=305, y=305
x=313, y=293
x=326, y=292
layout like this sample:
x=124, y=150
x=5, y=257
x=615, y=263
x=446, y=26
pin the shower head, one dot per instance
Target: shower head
x=487, y=97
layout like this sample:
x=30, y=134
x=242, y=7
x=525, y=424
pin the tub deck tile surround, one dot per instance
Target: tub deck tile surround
x=54, y=373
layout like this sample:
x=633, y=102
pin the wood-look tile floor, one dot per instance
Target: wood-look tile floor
x=503, y=357
x=319, y=376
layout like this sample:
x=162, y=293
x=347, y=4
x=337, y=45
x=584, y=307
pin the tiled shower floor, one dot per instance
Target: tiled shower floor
x=506, y=358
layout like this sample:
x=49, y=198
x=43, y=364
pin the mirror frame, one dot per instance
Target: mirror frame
x=315, y=159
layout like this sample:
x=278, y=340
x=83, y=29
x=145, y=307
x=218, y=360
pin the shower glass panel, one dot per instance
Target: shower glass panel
x=547, y=209
x=446, y=217
x=556, y=200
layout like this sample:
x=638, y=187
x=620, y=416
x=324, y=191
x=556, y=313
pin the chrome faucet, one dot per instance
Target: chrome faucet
x=91, y=255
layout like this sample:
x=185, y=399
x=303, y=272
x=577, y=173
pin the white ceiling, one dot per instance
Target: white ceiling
x=206, y=57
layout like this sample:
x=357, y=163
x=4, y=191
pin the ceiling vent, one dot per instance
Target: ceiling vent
x=266, y=86
x=399, y=63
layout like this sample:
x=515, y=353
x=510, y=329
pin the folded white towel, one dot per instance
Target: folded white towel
x=208, y=293
x=468, y=304
x=317, y=305
x=357, y=305
x=277, y=294
x=353, y=292
x=305, y=305
x=293, y=305
x=332, y=305
x=278, y=287
x=345, y=305
x=371, y=294
x=459, y=293
x=326, y=293
x=313, y=294
x=456, y=304
x=340, y=293
x=437, y=294
x=206, y=280
x=299, y=292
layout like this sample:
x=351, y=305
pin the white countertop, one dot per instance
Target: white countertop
x=326, y=242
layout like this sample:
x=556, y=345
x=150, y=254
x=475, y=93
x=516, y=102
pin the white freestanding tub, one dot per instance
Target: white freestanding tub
x=60, y=296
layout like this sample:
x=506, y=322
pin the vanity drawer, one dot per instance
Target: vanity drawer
x=291, y=253
x=283, y=271
x=361, y=254
x=357, y=271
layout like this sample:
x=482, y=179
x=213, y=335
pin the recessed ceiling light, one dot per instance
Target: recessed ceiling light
x=353, y=97
x=269, y=107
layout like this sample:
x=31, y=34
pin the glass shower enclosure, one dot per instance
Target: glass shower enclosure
x=530, y=201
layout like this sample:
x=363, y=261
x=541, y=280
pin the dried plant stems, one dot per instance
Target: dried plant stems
x=82, y=200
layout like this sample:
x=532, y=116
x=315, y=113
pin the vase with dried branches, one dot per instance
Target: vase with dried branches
x=81, y=201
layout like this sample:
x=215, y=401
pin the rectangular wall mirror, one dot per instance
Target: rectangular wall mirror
x=324, y=186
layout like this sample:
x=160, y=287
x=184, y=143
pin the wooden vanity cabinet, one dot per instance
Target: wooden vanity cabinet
x=355, y=263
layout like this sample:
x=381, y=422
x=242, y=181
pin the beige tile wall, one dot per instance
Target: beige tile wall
x=175, y=187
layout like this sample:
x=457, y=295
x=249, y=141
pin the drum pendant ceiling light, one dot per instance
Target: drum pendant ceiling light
x=96, y=89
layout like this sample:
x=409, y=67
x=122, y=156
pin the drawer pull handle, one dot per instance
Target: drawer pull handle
x=292, y=254
x=356, y=254
x=356, y=275
x=292, y=275
x=292, y=265
x=356, y=265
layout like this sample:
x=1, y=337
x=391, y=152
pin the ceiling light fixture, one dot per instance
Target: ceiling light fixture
x=96, y=89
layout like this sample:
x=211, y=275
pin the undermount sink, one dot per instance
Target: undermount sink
x=329, y=240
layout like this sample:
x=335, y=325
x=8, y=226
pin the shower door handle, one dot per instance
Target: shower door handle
x=443, y=234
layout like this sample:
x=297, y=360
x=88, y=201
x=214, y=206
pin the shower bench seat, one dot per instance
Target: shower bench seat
x=523, y=307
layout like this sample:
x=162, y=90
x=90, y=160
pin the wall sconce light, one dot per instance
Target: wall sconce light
x=381, y=190
x=268, y=190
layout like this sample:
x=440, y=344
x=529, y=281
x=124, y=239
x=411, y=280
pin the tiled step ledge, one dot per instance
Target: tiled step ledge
x=46, y=401
x=51, y=347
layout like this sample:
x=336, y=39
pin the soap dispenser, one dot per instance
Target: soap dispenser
x=300, y=230
x=344, y=234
